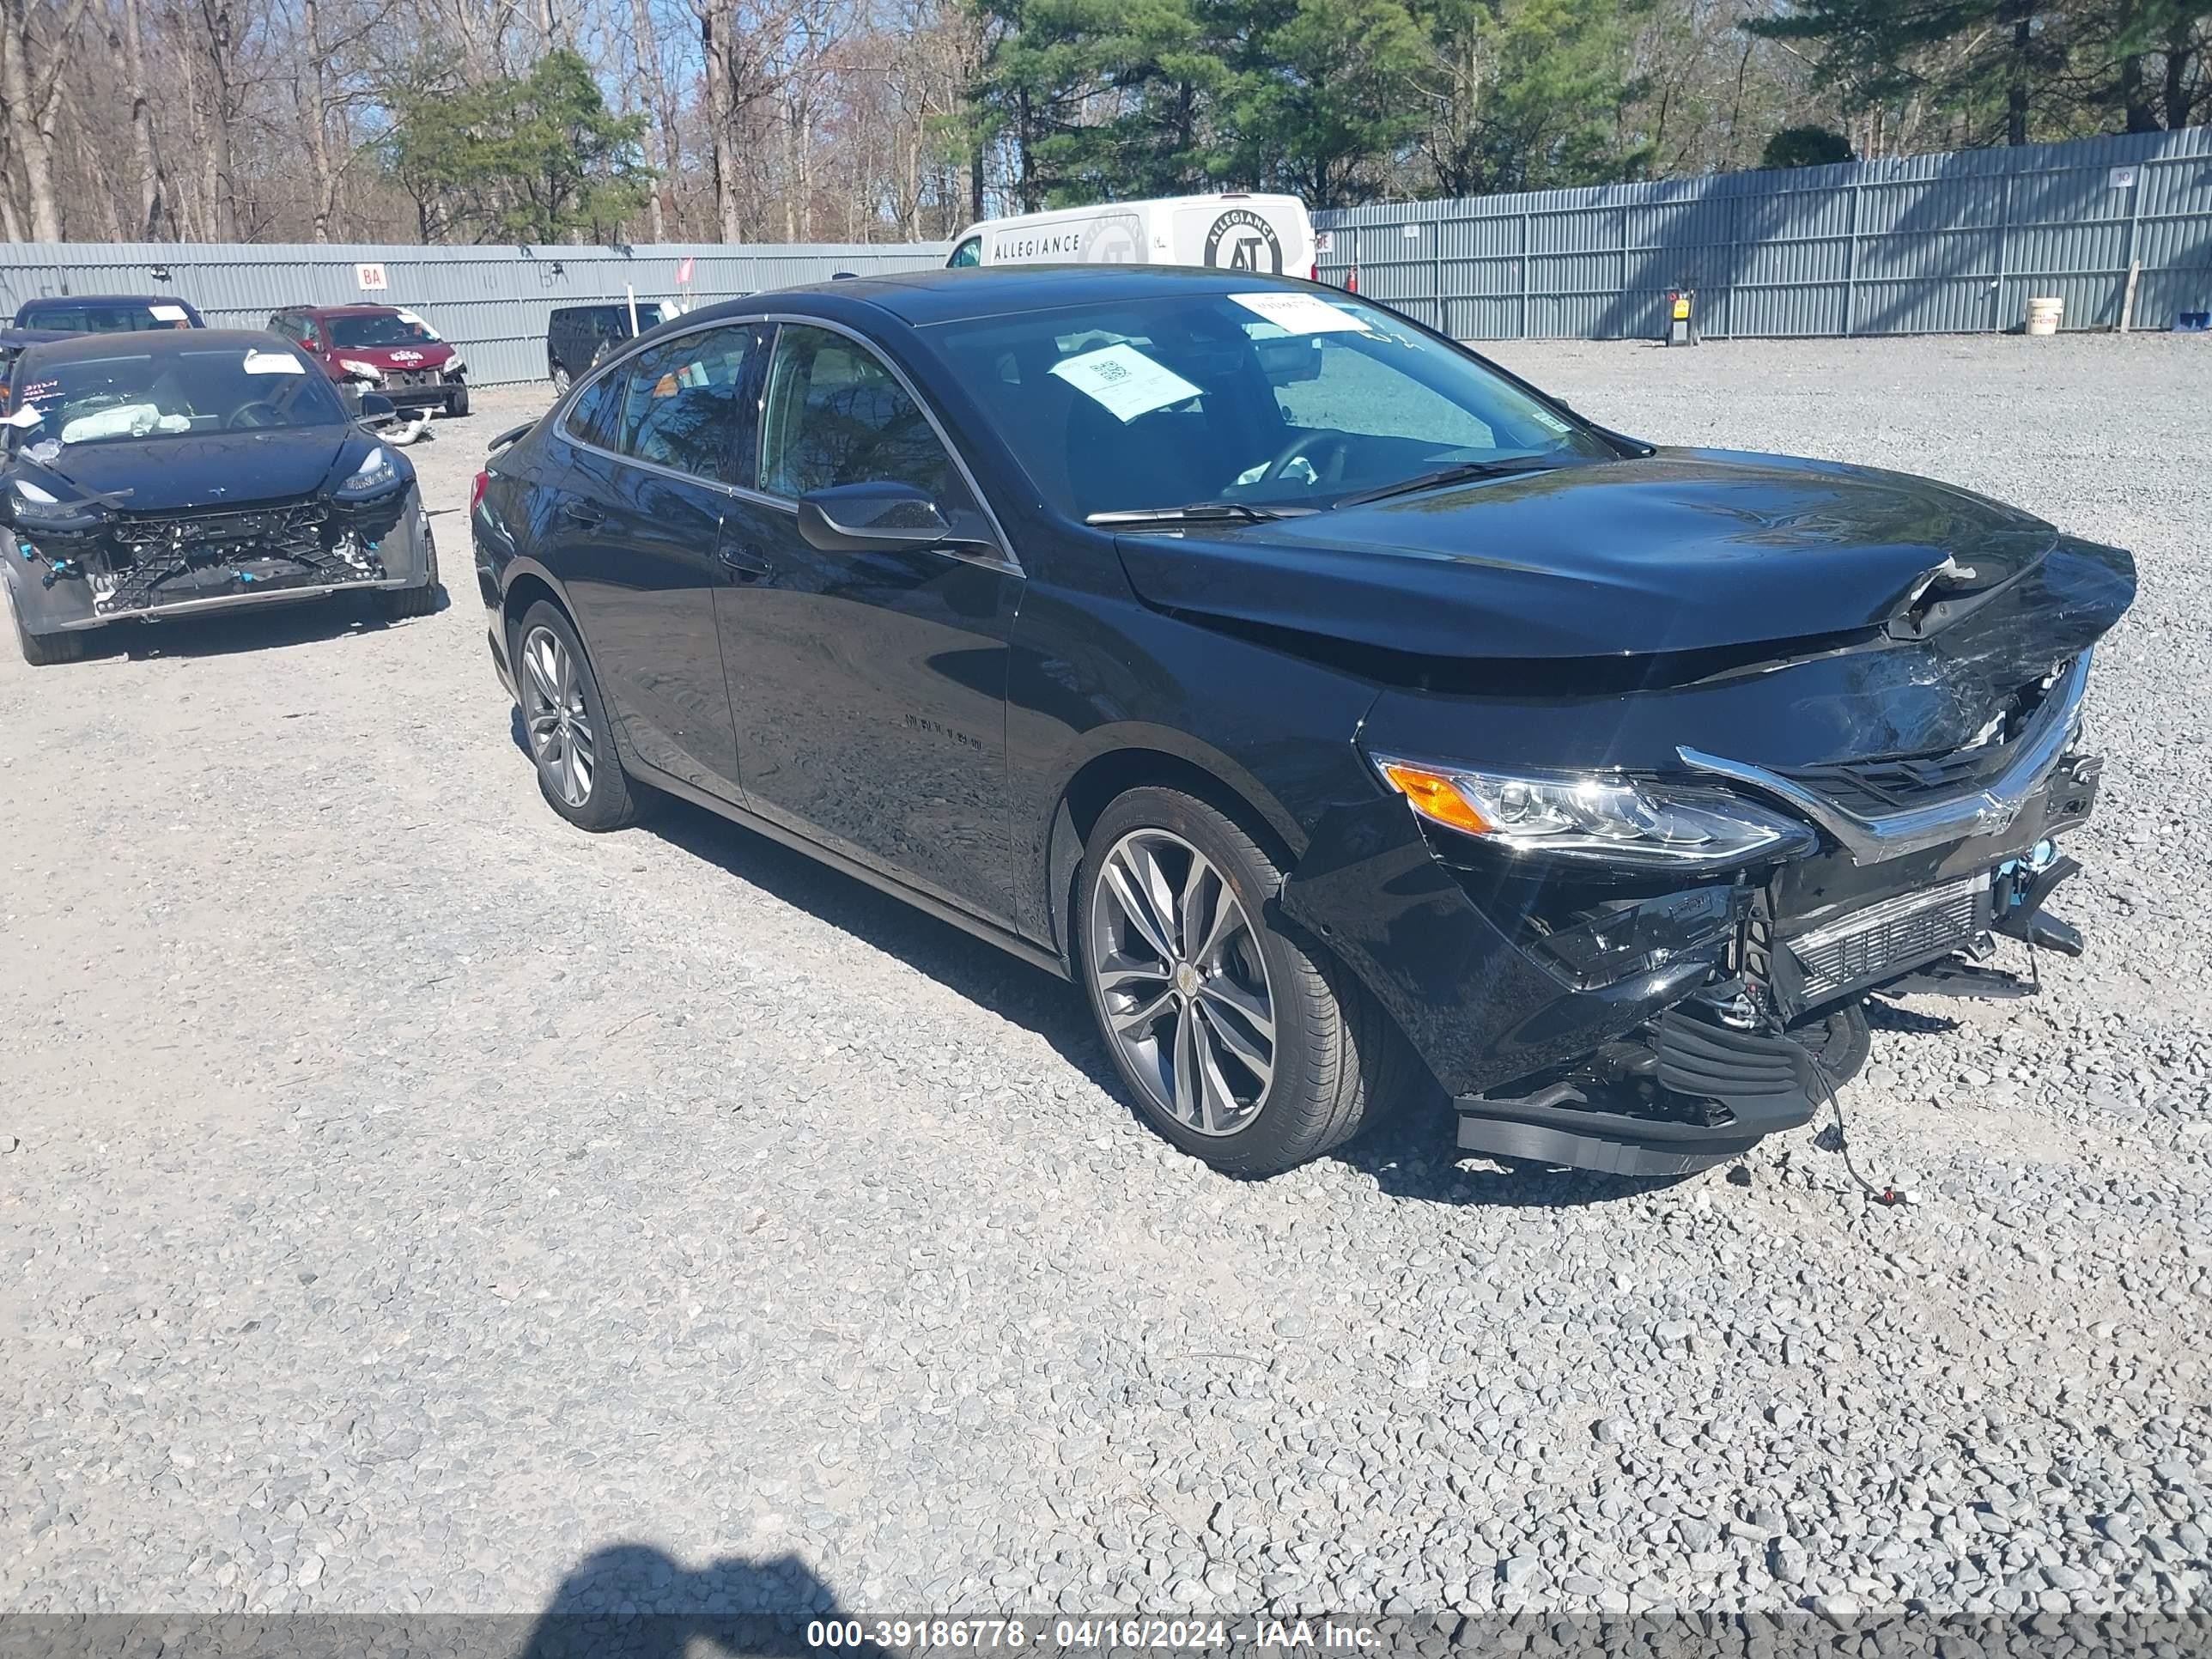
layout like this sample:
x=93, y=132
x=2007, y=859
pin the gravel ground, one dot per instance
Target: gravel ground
x=410, y=1203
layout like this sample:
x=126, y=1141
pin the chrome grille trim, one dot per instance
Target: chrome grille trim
x=1987, y=811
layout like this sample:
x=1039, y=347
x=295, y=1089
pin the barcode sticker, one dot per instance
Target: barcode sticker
x=1124, y=381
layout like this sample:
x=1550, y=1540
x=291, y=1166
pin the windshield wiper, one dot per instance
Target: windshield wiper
x=1465, y=472
x=1195, y=513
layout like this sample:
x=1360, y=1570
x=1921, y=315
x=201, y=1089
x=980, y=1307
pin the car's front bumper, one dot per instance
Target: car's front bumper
x=1510, y=987
x=243, y=574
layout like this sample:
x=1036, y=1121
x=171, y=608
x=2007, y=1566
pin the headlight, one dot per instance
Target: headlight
x=456, y=364
x=36, y=509
x=1596, y=818
x=366, y=371
x=376, y=472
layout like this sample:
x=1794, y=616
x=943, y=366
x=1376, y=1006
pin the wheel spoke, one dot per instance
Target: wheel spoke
x=579, y=769
x=1195, y=906
x=1189, y=1101
x=1120, y=973
x=1231, y=1003
x=1138, y=911
x=1134, y=1021
x=1167, y=914
x=543, y=674
x=1228, y=920
x=544, y=731
x=1218, y=1100
x=1257, y=1056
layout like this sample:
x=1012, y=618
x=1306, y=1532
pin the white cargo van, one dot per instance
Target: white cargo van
x=1230, y=231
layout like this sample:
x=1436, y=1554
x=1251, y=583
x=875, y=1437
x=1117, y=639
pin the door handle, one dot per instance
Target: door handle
x=743, y=563
x=581, y=512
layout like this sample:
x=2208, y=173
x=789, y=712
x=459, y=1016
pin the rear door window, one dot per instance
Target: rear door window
x=680, y=407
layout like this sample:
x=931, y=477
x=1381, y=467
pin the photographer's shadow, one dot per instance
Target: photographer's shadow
x=631, y=1600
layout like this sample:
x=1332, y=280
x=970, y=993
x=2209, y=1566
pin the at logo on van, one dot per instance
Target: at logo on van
x=1242, y=239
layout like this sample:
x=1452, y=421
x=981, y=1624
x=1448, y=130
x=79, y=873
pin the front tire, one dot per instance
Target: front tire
x=400, y=603
x=560, y=381
x=1240, y=1044
x=565, y=720
x=46, y=650
x=457, y=402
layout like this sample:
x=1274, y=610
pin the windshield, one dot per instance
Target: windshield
x=112, y=317
x=1282, y=399
x=391, y=328
x=143, y=394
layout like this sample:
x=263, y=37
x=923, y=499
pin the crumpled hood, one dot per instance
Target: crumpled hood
x=1683, y=550
x=210, y=469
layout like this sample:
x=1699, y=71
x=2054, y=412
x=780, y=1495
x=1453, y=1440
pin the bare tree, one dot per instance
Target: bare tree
x=34, y=52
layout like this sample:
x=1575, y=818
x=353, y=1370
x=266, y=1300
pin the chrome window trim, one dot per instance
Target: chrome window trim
x=1987, y=811
x=1006, y=562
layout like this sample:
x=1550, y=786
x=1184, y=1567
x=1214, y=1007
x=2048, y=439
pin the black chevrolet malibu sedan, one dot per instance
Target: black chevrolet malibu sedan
x=1331, y=706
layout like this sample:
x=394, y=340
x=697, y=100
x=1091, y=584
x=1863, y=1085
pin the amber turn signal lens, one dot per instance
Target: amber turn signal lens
x=1435, y=796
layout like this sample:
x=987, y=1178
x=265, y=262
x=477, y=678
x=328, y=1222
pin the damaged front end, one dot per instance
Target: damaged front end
x=1647, y=967
x=89, y=562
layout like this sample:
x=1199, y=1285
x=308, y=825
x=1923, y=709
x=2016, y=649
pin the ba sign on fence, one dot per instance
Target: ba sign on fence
x=370, y=278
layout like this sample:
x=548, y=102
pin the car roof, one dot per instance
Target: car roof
x=156, y=341
x=346, y=311
x=45, y=300
x=930, y=296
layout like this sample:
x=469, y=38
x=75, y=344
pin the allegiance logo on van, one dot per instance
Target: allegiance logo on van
x=1037, y=246
x=1242, y=239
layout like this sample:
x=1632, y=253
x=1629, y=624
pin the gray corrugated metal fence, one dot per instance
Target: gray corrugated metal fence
x=490, y=301
x=1927, y=245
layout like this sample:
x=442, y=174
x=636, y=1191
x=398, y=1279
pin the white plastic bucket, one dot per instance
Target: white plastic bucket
x=2042, y=314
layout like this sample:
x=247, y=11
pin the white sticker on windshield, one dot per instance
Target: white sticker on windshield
x=1300, y=314
x=170, y=313
x=28, y=416
x=273, y=362
x=1124, y=381
x=1545, y=417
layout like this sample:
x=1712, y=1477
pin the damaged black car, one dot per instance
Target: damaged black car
x=1336, y=709
x=154, y=475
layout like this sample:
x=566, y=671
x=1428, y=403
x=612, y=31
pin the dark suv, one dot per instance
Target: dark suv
x=576, y=337
x=107, y=313
x=388, y=347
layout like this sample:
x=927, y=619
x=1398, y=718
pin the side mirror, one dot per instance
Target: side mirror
x=374, y=409
x=870, y=518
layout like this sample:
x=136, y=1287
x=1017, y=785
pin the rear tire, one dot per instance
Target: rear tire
x=564, y=720
x=1240, y=1044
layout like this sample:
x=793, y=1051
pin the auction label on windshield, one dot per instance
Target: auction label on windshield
x=1300, y=314
x=1124, y=381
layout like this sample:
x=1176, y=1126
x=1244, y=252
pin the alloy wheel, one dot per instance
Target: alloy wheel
x=1179, y=972
x=560, y=726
